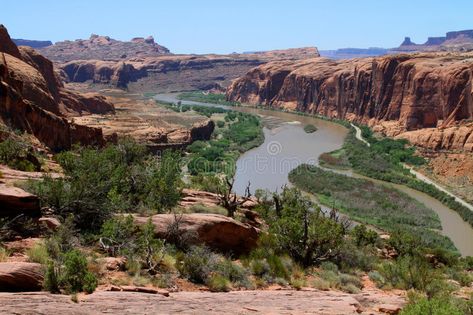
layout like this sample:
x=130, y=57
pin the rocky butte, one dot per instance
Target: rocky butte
x=426, y=98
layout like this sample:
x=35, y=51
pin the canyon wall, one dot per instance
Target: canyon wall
x=33, y=99
x=397, y=94
x=175, y=72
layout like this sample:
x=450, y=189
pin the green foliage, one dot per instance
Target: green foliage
x=363, y=236
x=310, y=128
x=211, y=98
x=18, y=154
x=371, y=203
x=435, y=306
x=197, y=264
x=75, y=274
x=98, y=182
x=117, y=235
x=300, y=229
x=51, y=281
x=38, y=253
x=219, y=155
x=218, y=283
x=220, y=124
x=382, y=160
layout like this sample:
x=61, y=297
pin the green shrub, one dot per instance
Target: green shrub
x=99, y=182
x=435, y=306
x=328, y=266
x=363, y=236
x=321, y=284
x=51, y=278
x=118, y=235
x=19, y=155
x=220, y=124
x=76, y=277
x=350, y=288
x=197, y=264
x=218, y=283
x=38, y=254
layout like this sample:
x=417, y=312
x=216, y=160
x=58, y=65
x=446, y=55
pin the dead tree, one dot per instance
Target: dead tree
x=230, y=200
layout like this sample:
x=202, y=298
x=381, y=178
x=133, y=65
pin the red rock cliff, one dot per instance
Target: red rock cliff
x=33, y=99
x=397, y=94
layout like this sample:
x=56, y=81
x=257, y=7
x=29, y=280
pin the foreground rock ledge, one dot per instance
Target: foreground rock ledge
x=20, y=276
x=215, y=231
x=236, y=302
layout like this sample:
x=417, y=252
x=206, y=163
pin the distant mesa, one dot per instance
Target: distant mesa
x=453, y=41
x=105, y=48
x=32, y=43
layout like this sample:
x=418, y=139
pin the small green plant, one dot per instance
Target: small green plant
x=38, y=254
x=363, y=236
x=218, y=283
x=4, y=254
x=76, y=277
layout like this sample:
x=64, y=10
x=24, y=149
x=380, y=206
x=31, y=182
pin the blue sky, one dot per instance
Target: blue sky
x=186, y=26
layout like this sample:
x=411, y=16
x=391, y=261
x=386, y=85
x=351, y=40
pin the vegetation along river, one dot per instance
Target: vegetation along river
x=287, y=145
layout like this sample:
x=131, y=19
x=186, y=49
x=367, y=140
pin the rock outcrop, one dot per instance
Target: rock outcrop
x=214, y=230
x=15, y=201
x=20, y=276
x=175, y=72
x=33, y=99
x=396, y=93
x=103, y=48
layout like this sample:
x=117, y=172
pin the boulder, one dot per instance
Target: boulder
x=213, y=230
x=20, y=276
x=50, y=223
x=15, y=201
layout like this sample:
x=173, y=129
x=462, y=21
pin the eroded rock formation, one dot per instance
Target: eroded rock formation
x=397, y=93
x=33, y=99
x=175, y=72
x=20, y=276
x=103, y=48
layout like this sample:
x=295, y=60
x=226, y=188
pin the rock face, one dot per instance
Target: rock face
x=397, y=93
x=33, y=99
x=103, y=48
x=215, y=231
x=20, y=276
x=175, y=72
x=15, y=201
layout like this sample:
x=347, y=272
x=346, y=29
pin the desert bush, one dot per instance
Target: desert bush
x=218, y=283
x=38, y=253
x=220, y=124
x=76, y=277
x=363, y=236
x=4, y=254
x=197, y=264
x=98, y=182
x=302, y=230
x=321, y=284
x=435, y=306
x=352, y=257
x=118, y=236
x=19, y=155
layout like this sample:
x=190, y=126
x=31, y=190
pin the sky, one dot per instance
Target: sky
x=211, y=26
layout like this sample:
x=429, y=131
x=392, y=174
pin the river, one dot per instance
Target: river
x=287, y=145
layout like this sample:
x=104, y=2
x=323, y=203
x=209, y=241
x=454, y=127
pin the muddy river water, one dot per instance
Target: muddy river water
x=287, y=145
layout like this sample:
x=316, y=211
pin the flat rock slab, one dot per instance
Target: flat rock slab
x=237, y=302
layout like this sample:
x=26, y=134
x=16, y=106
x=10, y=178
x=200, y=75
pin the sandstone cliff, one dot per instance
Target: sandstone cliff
x=397, y=94
x=33, y=99
x=175, y=72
